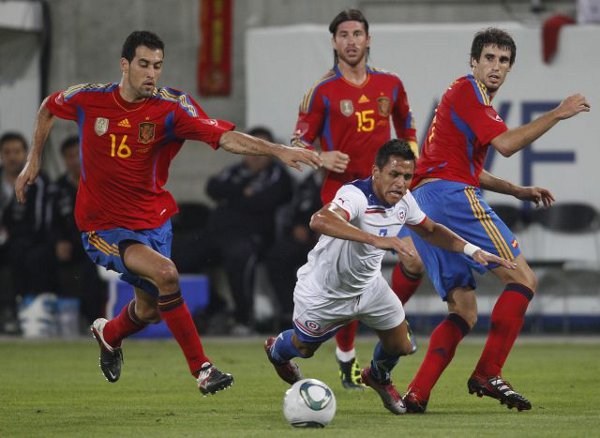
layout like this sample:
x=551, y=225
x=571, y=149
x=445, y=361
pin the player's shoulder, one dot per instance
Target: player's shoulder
x=353, y=191
x=178, y=98
x=382, y=73
x=328, y=77
x=316, y=88
x=81, y=89
x=469, y=87
x=169, y=94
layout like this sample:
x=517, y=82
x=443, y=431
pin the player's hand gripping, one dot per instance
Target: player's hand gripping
x=572, y=106
x=394, y=244
x=484, y=257
x=537, y=195
x=26, y=178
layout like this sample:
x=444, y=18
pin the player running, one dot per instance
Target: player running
x=129, y=132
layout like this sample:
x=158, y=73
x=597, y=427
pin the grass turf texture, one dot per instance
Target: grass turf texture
x=55, y=389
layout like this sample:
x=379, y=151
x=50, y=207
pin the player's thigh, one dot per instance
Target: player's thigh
x=523, y=274
x=379, y=308
x=317, y=319
x=148, y=263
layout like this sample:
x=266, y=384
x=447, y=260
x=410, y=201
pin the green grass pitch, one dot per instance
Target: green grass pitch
x=55, y=389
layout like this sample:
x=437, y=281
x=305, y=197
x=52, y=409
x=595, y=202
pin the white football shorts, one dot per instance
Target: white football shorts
x=318, y=317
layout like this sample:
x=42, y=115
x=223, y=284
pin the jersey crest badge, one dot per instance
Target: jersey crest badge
x=101, y=126
x=346, y=107
x=146, y=132
x=402, y=215
x=383, y=106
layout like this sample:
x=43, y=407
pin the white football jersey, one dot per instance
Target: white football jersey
x=343, y=268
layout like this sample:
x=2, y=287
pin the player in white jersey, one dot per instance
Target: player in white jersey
x=342, y=279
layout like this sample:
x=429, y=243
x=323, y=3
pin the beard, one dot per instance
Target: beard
x=352, y=62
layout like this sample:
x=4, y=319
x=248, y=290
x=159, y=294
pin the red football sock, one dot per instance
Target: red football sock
x=345, y=336
x=404, y=283
x=125, y=324
x=442, y=346
x=505, y=324
x=174, y=312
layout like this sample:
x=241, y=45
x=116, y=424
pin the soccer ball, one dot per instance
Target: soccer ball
x=309, y=403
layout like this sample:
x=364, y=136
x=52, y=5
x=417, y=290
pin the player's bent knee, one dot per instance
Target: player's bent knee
x=469, y=317
x=167, y=277
x=307, y=350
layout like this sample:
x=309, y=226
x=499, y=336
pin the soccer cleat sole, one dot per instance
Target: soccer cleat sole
x=222, y=387
x=481, y=392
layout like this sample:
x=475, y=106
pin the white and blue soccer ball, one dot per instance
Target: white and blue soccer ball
x=309, y=403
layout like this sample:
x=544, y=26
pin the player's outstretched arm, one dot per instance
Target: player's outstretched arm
x=240, y=143
x=42, y=127
x=514, y=140
x=331, y=221
x=537, y=195
x=439, y=235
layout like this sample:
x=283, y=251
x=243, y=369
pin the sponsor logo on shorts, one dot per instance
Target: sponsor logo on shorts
x=313, y=325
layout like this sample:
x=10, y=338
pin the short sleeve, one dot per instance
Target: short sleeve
x=474, y=107
x=414, y=214
x=192, y=123
x=62, y=106
x=351, y=200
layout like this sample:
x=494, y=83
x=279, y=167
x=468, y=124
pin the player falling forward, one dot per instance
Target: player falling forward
x=342, y=279
x=130, y=131
x=350, y=110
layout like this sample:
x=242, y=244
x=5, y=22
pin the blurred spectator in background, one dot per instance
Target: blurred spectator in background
x=238, y=231
x=293, y=242
x=77, y=274
x=25, y=250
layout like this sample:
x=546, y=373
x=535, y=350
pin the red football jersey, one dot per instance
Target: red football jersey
x=459, y=135
x=354, y=119
x=126, y=149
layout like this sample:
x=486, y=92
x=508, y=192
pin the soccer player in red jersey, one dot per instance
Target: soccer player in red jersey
x=447, y=186
x=130, y=131
x=349, y=110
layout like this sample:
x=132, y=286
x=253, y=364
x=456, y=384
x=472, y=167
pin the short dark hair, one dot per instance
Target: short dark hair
x=69, y=142
x=10, y=136
x=496, y=37
x=348, y=15
x=261, y=131
x=395, y=146
x=140, y=38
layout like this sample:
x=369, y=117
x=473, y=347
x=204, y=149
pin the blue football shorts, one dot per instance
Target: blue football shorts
x=461, y=208
x=104, y=248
